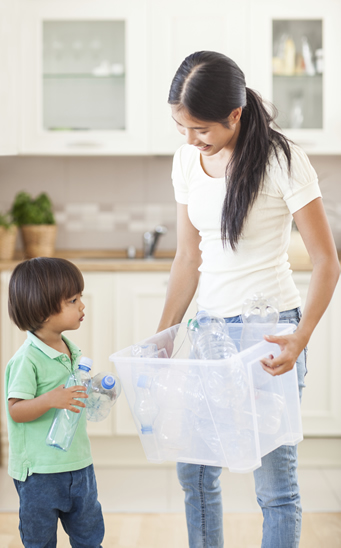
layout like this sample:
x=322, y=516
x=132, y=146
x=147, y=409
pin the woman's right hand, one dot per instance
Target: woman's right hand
x=67, y=398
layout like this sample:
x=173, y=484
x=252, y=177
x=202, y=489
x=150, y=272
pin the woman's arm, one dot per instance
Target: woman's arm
x=184, y=275
x=314, y=228
x=60, y=398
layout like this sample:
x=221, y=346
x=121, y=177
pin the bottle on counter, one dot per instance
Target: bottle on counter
x=65, y=422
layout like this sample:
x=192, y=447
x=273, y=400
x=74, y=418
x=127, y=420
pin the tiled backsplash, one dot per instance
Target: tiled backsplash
x=109, y=202
x=99, y=203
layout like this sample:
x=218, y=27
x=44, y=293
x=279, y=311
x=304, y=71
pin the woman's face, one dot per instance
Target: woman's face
x=208, y=137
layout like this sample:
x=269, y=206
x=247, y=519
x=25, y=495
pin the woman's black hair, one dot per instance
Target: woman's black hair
x=209, y=86
x=37, y=289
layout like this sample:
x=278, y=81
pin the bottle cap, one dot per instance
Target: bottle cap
x=108, y=382
x=146, y=429
x=143, y=381
x=86, y=362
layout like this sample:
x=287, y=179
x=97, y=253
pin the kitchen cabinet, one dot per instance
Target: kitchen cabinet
x=177, y=29
x=9, y=68
x=294, y=62
x=140, y=297
x=123, y=308
x=92, y=78
x=321, y=403
x=94, y=337
x=83, y=77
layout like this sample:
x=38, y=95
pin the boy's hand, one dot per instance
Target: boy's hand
x=67, y=398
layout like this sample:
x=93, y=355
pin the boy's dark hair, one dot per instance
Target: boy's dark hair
x=37, y=289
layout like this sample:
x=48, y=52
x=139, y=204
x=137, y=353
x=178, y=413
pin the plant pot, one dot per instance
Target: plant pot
x=39, y=240
x=8, y=238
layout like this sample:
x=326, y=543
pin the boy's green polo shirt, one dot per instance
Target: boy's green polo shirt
x=35, y=369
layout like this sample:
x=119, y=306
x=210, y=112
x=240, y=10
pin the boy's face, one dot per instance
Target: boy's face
x=70, y=316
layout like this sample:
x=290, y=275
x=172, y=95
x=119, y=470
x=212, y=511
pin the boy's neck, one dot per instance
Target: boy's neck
x=54, y=340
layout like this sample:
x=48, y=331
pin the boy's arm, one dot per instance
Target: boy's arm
x=60, y=398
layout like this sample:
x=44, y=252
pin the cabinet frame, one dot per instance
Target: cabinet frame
x=33, y=138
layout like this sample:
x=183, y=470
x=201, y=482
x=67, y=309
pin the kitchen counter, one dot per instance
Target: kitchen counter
x=117, y=261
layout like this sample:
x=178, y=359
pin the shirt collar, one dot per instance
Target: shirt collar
x=51, y=352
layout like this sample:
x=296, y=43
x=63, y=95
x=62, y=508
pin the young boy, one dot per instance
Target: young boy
x=45, y=300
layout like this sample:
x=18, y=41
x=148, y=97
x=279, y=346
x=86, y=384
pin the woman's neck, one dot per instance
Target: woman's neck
x=215, y=165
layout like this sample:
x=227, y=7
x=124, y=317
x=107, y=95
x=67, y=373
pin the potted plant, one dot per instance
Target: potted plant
x=8, y=236
x=37, y=224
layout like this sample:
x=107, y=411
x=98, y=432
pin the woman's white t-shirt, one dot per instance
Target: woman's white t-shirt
x=260, y=262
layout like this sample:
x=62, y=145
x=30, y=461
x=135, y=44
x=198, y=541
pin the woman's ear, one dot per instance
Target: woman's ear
x=235, y=115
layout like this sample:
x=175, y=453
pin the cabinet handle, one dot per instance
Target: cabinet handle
x=85, y=144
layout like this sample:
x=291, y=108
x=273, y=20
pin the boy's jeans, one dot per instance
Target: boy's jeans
x=275, y=481
x=70, y=496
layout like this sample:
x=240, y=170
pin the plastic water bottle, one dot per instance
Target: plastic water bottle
x=145, y=408
x=104, y=390
x=260, y=317
x=65, y=422
x=226, y=385
x=209, y=337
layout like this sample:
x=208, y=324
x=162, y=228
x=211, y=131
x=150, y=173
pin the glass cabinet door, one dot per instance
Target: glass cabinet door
x=294, y=63
x=83, y=70
x=297, y=73
x=84, y=75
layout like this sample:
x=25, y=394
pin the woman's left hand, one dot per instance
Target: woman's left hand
x=291, y=347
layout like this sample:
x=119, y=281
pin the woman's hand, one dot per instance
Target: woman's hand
x=67, y=398
x=291, y=346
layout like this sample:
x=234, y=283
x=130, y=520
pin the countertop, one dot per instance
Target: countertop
x=117, y=261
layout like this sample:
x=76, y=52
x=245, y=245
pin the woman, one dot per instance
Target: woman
x=238, y=183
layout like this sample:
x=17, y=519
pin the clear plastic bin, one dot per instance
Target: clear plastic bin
x=226, y=413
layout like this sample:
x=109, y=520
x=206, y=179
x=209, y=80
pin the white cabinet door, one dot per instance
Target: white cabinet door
x=177, y=29
x=140, y=298
x=94, y=337
x=9, y=77
x=295, y=62
x=96, y=334
x=83, y=77
x=11, y=339
x=321, y=403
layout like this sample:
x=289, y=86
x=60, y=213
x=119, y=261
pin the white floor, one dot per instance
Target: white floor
x=152, y=489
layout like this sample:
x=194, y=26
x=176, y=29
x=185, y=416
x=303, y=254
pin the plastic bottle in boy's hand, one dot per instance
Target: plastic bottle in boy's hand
x=65, y=422
x=104, y=390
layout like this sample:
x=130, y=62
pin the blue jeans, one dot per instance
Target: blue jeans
x=276, y=486
x=69, y=496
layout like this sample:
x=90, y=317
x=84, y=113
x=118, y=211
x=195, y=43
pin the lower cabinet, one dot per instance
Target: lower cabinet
x=321, y=402
x=123, y=308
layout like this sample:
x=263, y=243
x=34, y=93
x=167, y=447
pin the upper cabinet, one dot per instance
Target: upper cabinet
x=178, y=29
x=93, y=76
x=294, y=62
x=8, y=80
x=83, y=77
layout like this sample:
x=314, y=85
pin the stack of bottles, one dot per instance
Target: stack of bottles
x=103, y=391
